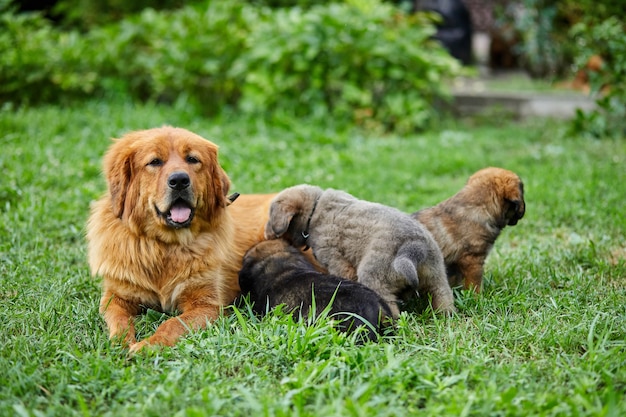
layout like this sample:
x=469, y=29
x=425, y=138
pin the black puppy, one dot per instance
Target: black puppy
x=275, y=273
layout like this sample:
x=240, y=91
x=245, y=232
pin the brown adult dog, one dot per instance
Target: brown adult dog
x=251, y=212
x=467, y=224
x=162, y=236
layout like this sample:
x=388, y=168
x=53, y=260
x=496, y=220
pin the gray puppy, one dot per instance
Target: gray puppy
x=275, y=273
x=376, y=245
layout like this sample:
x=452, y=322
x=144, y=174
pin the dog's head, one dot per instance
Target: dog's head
x=507, y=191
x=165, y=179
x=291, y=211
x=268, y=260
x=266, y=249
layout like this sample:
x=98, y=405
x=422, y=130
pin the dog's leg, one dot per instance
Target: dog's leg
x=443, y=299
x=455, y=278
x=382, y=281
x=172, y=329
x=471, y=268
x=393, y=307
x=436, y=284
x=119, y=315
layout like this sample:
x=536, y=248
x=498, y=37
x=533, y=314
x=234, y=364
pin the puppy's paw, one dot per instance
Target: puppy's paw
x=447, y=311
x=445, y=308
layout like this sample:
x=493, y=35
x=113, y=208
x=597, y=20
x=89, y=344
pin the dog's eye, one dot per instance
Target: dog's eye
x=156, y=162
x=192, y=160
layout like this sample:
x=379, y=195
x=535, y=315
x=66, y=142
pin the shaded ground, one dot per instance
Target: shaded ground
x=517, y=94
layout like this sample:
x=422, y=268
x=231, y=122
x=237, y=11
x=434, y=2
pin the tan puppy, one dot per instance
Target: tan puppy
x=162, y=236
x=467, y=224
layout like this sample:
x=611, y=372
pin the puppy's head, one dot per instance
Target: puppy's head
x=264, y=263
x=290, y=211
x=506, y=191
x=160, y=180
x=268, y=248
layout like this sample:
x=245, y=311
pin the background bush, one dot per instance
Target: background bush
x=369, y=62
x=182, y=54
x=557, y=39
x=39, y=63
x=87, y=13
x=359, y=59
x=541, y=28
x=608, y=40
x=547, y=47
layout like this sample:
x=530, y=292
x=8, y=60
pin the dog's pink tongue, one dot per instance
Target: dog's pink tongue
x=180, y=213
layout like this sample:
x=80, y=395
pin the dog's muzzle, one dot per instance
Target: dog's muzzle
x=180, y=212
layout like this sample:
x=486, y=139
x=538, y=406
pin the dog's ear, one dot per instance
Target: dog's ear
x=281, y=214
x=221, y=185
x=119, y=172
x=516, y=208
x=218, y=183
x=514, y=211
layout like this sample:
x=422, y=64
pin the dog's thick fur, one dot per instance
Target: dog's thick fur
x=467, y=224
x=162, y=236
x=250, y=212
x=373, y=244
x=276, y=273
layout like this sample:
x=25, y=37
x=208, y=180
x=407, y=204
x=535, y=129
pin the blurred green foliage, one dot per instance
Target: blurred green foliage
x=606, y=39
x=558, y=38
x=39, y=63
x=85, y=14
x=370, y=62
x=359, y=59
x=546, y=47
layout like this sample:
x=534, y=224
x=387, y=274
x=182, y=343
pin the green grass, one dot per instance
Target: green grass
x=547, y=336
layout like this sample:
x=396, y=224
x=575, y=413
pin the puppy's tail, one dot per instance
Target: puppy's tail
x=408, y=257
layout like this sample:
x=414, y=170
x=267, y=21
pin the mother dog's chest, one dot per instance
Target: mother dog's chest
x=159, y=282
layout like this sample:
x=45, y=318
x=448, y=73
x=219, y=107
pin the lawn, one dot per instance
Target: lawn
x=546, y=337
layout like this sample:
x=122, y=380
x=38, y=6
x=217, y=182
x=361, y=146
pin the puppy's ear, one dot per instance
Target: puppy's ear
x=118, y=171
x=514, y=211
x=515, y=208
x=281, y=213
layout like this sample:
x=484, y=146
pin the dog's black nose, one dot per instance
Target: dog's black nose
x=178, y=181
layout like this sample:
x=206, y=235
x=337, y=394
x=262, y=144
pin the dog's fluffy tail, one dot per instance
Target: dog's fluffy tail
x=408, y=257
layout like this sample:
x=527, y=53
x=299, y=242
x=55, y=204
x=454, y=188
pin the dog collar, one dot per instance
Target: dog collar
x=305, y=232
x=233, y=197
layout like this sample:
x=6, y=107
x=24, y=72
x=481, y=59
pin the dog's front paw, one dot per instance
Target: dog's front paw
x=136, y=347
x=447, y=311
x=124, y=340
